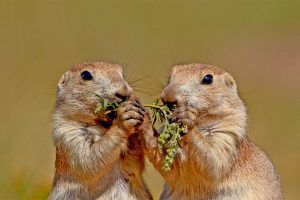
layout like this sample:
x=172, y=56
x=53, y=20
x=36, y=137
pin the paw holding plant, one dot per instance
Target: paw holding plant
x=170, y=136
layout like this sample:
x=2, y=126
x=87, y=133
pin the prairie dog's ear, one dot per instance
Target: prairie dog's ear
x=229, y=81
x=62, y=82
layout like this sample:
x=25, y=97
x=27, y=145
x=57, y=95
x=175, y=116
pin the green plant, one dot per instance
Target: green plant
x=106, y=105
x=169, y=137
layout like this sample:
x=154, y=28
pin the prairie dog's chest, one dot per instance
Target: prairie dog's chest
x=118, y=191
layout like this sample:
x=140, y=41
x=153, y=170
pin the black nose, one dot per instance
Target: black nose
x=122, y=97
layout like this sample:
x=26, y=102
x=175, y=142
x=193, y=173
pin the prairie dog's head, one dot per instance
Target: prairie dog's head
x=208, y=88
x=77, y=89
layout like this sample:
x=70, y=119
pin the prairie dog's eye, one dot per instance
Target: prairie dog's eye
x=86, y=75
x=208, y=79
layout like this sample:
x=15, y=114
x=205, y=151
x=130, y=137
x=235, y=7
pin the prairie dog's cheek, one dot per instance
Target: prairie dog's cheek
x=188, y=92
x=188, y=88
x=75, y=93
x=194, y=101
x=103, y=87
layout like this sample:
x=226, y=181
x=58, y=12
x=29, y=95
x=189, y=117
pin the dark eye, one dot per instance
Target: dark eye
x=86, y=75
x=208, y=79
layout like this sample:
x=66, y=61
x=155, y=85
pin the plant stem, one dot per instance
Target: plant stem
x=153, y=106
x=158, y=108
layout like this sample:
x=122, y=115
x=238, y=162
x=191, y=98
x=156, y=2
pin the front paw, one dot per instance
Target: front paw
x=185, y=115
x=146, y=125
x=130, y=116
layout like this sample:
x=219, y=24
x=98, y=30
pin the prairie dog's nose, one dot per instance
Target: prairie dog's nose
x=124, y=92
x=168, y=96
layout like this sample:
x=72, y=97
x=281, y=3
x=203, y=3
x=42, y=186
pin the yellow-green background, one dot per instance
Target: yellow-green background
x=257, y=41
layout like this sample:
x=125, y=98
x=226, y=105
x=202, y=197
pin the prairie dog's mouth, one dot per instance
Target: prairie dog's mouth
x=171, y=105
x=117, y=98
x=110, y=98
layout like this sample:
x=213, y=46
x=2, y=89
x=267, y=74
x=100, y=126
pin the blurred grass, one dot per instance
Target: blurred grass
x=23, y=186
x=258, y=41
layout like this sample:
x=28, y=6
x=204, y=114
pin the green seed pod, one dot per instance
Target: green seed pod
x=169, y=137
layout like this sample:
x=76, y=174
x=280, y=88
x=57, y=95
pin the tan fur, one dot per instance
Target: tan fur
x=94, y=161
x=216, y=161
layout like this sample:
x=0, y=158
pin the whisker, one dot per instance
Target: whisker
x=137, y=80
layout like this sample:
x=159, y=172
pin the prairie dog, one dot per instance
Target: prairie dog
x=216, y=160
x=97, y=157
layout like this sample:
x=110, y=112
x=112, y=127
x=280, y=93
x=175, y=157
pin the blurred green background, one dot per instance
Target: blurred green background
x=257, y=41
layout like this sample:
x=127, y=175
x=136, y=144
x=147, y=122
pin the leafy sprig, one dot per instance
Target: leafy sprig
x=169, y=137
x=106, y=105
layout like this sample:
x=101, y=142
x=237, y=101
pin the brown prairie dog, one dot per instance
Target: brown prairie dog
x=97, y=157
x=216, y=160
